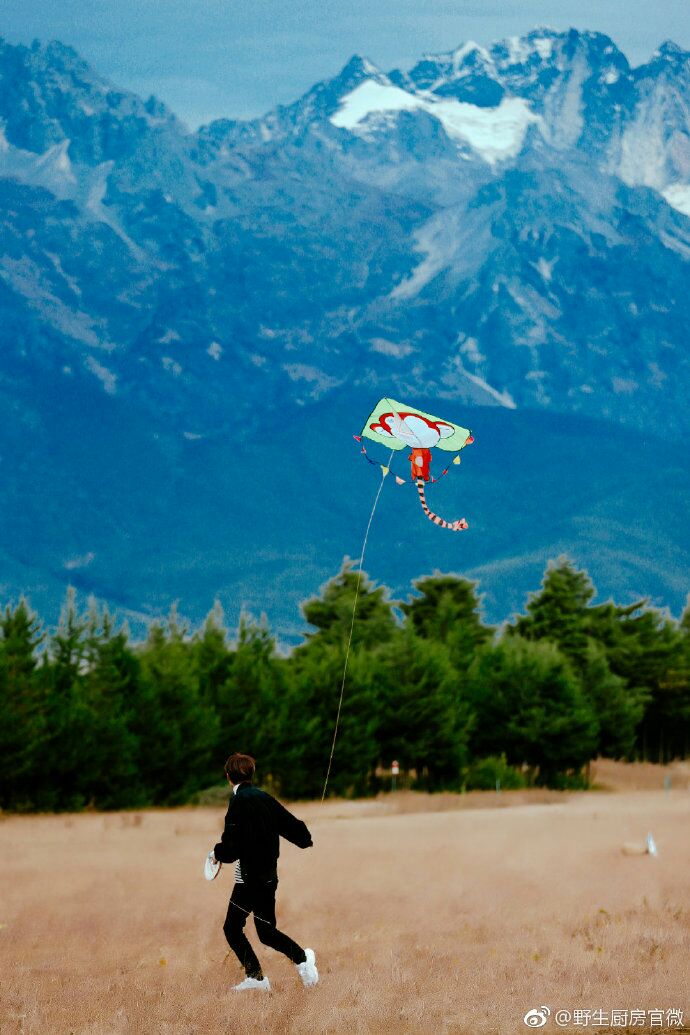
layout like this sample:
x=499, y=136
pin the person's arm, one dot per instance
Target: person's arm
x=291, y=828
x=228, y=848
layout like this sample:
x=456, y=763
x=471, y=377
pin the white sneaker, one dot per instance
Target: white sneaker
x=307, y=970
x=253, y=983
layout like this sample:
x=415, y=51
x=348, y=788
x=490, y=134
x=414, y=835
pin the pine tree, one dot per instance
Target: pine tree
x=424, y=713
x=110, y=689
x=22, y=723
x=529, y=705
x=177, y=731
x=212, y=656
x=447, y=610
x=248, y=700
x=69, y=720
x=644, y=648
x=679, y=676
x=618, y=708
x=332, y=612
x=309, y=711
x=315, y=681
x=559, y=611
x=597, y=641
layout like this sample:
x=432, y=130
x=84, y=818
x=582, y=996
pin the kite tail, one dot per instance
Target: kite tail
x=454, y=526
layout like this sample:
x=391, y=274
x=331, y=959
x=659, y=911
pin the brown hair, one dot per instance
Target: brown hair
x=240, y=767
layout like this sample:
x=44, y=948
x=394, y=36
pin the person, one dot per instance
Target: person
x=254, y=823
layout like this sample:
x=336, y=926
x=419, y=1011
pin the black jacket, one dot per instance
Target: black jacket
x=254, y=824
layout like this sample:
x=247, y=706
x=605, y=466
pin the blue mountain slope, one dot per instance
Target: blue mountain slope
x=532, y=486
x=143, y=521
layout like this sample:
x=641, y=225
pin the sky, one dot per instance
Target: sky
x=210, y=59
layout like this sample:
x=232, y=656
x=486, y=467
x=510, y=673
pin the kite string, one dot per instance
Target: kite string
x=384, y=472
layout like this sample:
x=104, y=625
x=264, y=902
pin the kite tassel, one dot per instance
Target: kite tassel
x=454, y=526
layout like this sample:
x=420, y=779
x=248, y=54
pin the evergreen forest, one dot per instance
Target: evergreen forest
x=91, y=719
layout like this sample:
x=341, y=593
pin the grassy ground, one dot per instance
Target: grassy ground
x=428, y=915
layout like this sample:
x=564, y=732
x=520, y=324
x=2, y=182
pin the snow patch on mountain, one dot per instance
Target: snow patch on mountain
x=51, y=170
x=563, y=108
x=503, y=398
x=544, y=46
x=678, y=196
x=642, y=154
x=371, y=96
x=469, y=347
x=321, y=381
x=545, y=267
x=518, y=50
x=453, y=240
x=171, y=366
x=95, y=193
x=496, y=134
x=456, y=371
x=107, y=378
x=464, y=51
x=54, y=171
x=83, y=561
x=437, y=257
x=70, y=281
x=391, y=348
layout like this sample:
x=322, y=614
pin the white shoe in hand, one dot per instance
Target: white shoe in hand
x=211, y=866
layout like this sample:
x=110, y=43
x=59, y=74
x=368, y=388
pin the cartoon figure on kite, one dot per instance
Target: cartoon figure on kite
x=398, y=426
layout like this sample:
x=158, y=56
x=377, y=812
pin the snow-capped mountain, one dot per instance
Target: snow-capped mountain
x=505, y=226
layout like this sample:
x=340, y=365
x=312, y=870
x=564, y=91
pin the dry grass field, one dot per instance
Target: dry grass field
x=451, y=913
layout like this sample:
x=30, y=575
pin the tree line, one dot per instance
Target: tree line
x=89, y=718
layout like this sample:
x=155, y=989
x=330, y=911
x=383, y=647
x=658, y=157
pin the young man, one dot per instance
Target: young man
x=254, y=823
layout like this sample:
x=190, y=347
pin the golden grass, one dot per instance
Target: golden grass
x=639, y=776
x=456, y=920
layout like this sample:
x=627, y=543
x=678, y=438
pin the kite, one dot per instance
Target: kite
x=398, y=425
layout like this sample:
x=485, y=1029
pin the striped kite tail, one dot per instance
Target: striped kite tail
x=454, y=526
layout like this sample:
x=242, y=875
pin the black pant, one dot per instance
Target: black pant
x=259, y=899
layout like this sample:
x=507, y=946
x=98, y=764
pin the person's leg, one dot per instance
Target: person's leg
x=264, y=902
x=239, y=907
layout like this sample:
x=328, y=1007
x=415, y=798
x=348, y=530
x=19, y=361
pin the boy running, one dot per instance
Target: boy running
x=254, y=823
